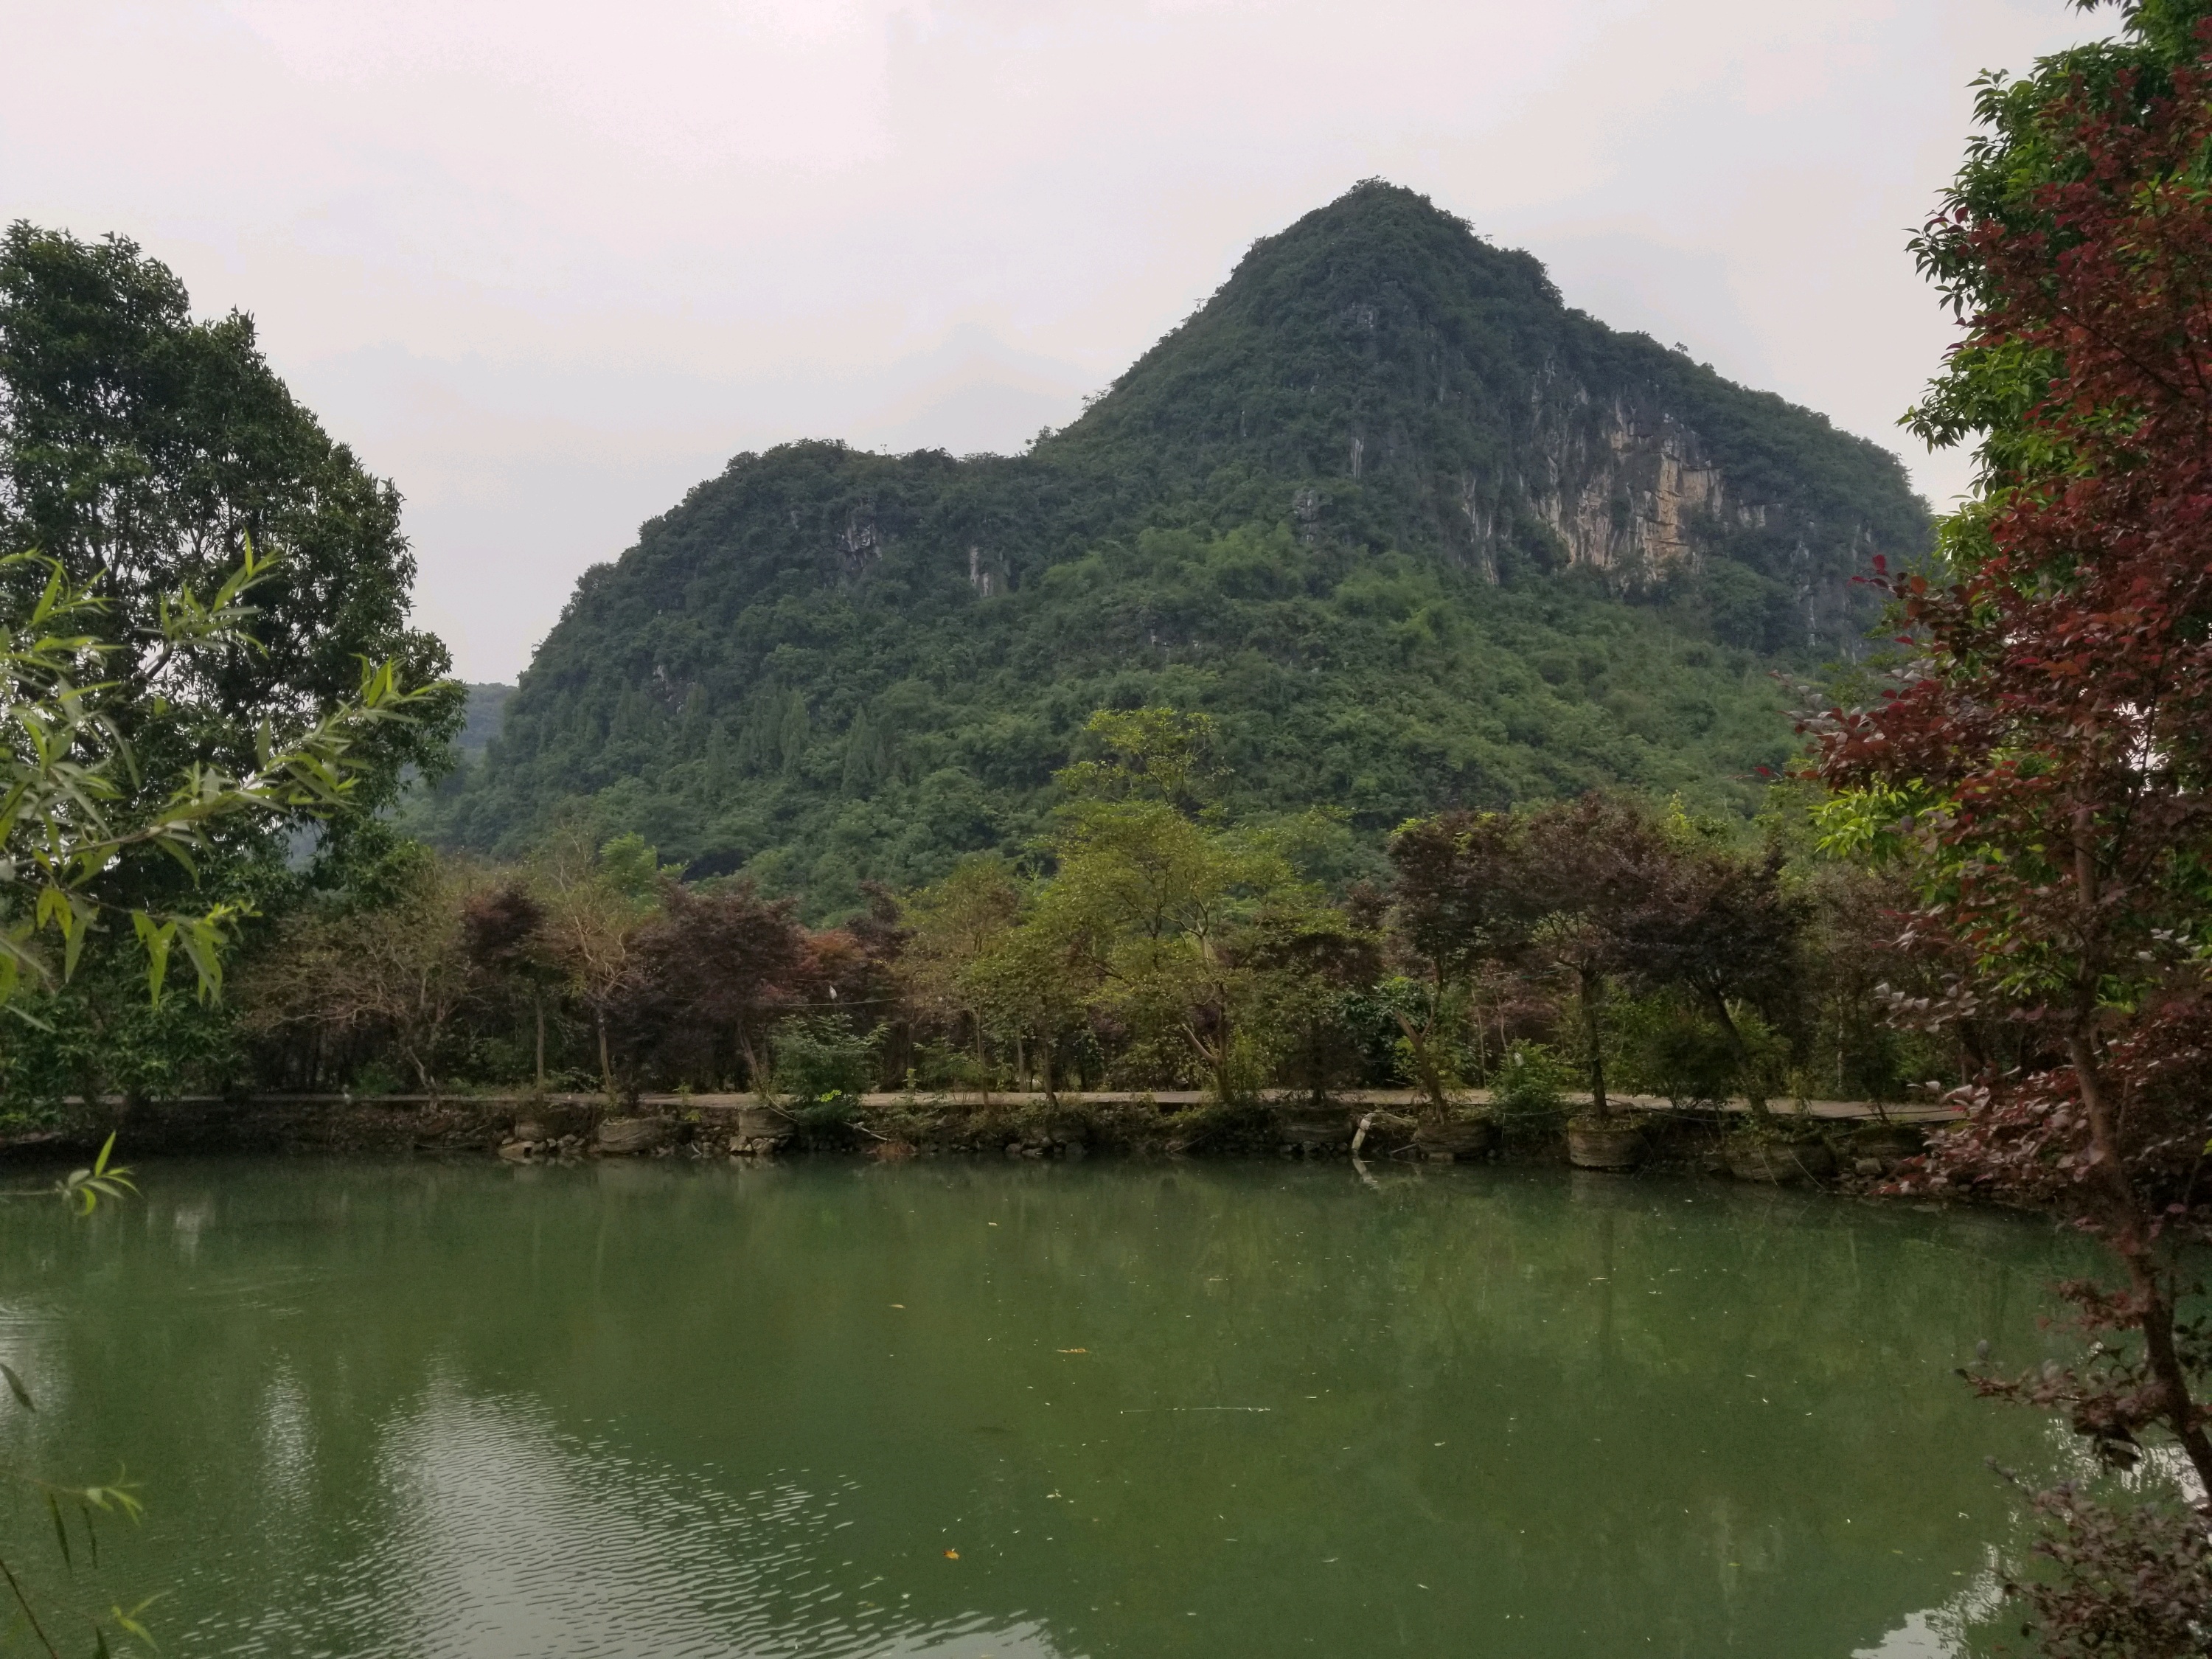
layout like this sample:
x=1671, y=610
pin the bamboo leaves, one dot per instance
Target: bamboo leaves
x=73, y=806
x=83, y=1189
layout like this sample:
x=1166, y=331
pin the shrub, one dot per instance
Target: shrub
x=1663, y=1045
x=1664, y=1048
x=822, y=1067
x=1530, y=1095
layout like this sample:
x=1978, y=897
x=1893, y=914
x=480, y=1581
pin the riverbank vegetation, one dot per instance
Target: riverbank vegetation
x=1152, y=941
x=146, y=748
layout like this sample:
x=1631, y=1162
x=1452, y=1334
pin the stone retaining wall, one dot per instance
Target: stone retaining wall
x=891, y=1124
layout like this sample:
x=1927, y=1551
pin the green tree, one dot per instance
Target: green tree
x=1991, y=384
x=144, y=451
x=957, y=925
x=822, y=1067
x=1149, y=754
x=1159, y=901
x=77, y=812
x=596, y=901
x=1309, y=961
x=1035, y=987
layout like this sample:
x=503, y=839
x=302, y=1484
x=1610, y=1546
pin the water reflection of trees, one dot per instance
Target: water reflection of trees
x=1667, y=1411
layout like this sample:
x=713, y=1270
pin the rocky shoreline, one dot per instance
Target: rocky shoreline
x=1831, y=1141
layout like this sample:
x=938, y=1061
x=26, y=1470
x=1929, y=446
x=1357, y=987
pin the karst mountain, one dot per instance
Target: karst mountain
x=1412, y=529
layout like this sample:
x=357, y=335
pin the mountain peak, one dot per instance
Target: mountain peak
x=1415, y=531
x=1330, y=279
x=1384, y=232
x=1379, y=342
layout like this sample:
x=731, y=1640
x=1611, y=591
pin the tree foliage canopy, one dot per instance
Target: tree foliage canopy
x=142, y=449
x=79, y=817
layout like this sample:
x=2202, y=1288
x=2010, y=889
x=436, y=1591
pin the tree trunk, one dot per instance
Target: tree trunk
x=2131, y=1242
x=1600, y=1106
x=1753, y=1096
x=606, y=1061
x=754, y=1074
x=2132, y=1239
x=1424, y=1065
x=538, y=1007
x=1213, y=1057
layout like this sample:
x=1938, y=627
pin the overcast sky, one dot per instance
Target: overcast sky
x=549, y=264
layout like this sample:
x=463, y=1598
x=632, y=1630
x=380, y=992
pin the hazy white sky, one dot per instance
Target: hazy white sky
x=549, y=264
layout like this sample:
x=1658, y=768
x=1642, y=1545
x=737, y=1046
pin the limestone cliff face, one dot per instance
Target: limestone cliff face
x=1621, y=484
x=1621, y=502
x=1627, y=489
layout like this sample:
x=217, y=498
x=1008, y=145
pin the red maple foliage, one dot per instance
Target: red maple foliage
x=722, y=967
x=2048, y=750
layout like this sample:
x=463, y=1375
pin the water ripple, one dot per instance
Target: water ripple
x=493, y=1536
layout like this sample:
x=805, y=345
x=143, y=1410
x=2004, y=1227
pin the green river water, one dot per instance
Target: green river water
x=663, y=1409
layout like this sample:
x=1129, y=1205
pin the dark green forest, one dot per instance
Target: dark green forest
x=1414, y=534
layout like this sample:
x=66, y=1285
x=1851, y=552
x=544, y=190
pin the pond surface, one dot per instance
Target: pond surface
x=662, y=1409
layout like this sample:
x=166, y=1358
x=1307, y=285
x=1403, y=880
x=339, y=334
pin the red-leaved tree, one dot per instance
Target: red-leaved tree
x=726, y=964
x=2044, y=765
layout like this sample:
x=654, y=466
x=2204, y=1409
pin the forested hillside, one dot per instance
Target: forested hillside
x=1412, y=532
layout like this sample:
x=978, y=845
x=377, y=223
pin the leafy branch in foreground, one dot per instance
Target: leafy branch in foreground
x=73, y=806
x=83, y=1190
